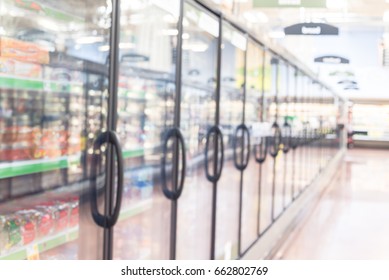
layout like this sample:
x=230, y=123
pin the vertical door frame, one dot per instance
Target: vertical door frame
x=273, y=217
x=216, y=142
x=113, y=78
x=263, y=138
x=243, y=147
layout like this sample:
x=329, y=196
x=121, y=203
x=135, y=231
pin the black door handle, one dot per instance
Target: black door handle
x=308, y=137
x=305, y=136
x=287, y=139
x=263, y=147
x=295, y=140
x=276, y=141
x=245, y=161
x=219, y=137
x=106, y=221
x=176, y=192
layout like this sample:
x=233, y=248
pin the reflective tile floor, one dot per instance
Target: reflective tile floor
x=351, y=220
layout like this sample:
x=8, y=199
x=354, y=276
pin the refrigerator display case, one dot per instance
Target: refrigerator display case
x=44, y=98
x=308, y=133
x=286, y=121
x=231, y=117
x=146, y=103
x=269, y=107
x=197, y=116
x=372, y=120
x=253, y=117
x=300, y=130
x=315, y=121
x=111, y=148
x=282, y=133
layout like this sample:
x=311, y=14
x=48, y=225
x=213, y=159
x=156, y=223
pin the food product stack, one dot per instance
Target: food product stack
x=29, y=226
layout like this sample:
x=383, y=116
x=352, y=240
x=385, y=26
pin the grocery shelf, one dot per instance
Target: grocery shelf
x=27, y=167
x=8, y=82
x=138, y=208
x=43, y=245
x=39, y=8
x=370, y=138
x=48, y=243
x=133, y=153
x=131, y=94
x=14, y=169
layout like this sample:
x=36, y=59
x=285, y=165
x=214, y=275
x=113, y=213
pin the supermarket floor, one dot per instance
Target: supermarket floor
x=351, y=220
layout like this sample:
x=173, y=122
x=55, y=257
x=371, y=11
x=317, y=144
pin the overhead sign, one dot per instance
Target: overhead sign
x=274, y=60
x=347, y=82
x=351, y=87
x=134, y=57
x=290, y=3
x=342, y=74
x=311, y=28
x=332, y=59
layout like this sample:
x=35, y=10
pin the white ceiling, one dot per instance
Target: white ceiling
x=361, y=25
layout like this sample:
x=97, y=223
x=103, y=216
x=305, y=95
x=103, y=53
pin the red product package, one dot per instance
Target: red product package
x=58, y=213
x=3, y=234
x=62, y=218
x=23, y=51
x=74, y=214
x=29, y=219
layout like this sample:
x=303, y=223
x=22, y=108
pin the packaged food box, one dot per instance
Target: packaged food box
x=58, y=212
x=45, y=224
x=13, y=231
x=15, y=154
x=23, y=51
x=10, y=66
x=48, y=213
x=62, y=217
x=74, y=214
x=29, y=220
x=3, y=236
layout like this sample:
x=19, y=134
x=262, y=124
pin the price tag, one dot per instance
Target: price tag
x=33, y=252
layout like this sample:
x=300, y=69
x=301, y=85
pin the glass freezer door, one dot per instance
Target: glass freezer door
x=146, y=103
x=197, y=117
x=254, y=121
x=269, y=108
x=231, y=117
x=53, y=105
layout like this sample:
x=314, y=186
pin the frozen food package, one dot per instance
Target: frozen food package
x=23, y=51
x=74, y=213
x=45, y=222
x=7, y=66
x=62, y=217
x=29, y=221
x=3, y=235
x=13, y=232
x=12, y=67
x=46, y=225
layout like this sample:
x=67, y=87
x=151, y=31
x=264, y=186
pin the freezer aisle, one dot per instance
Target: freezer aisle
x=149, y=130
x=349, y=221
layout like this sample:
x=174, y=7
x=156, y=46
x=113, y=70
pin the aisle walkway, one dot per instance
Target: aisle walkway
x=351, y=221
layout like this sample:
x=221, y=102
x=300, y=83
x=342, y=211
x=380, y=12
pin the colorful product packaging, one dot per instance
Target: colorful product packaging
x=29, y=220
x=74, y=214
x=62, y=217
x=13, y=231
x=3, y=235
x=46, y=225
x=59, y=212
x=12, y=67
x=23, y=51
